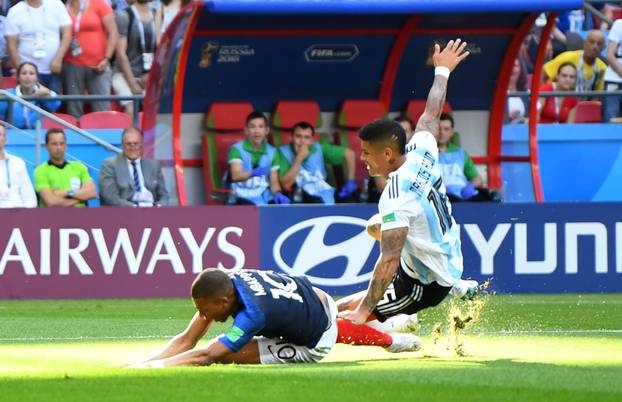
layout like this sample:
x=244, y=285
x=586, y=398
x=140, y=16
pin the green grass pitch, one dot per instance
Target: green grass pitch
x=522, y=348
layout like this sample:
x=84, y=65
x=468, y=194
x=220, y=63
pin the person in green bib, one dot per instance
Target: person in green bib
x=253, y=166
x=60, y=183
x=462, y=180
x=303, y=167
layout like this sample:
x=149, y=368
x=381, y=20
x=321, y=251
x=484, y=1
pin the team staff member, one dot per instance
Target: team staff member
x=58, y=182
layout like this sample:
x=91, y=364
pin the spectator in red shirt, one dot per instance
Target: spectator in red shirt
x=559, y=109
x=87, y=63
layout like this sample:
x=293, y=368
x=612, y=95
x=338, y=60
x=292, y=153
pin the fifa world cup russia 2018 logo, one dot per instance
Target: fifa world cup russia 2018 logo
x=207, y=53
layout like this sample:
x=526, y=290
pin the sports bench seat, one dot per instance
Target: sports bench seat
x=288, y=113
x=224, y=123
x=353, y=115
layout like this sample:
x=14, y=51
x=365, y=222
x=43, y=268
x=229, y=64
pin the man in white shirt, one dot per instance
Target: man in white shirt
x=420, y=259
x=39, y=31
x=16, y=189
x=613, y=74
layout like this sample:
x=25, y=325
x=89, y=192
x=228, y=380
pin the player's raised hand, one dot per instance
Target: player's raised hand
x=451, y=55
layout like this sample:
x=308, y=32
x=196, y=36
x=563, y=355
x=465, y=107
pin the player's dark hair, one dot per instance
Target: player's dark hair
x=385, y=130
x=446, y=116
x=211, y=283
x=54, y=130
x=256, y=115
x=304, y=126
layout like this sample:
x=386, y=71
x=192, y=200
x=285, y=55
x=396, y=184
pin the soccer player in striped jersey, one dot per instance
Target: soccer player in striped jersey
x=421, y=259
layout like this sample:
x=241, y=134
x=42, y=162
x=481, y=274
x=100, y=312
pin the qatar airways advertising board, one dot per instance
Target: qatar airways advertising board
x=120, y=252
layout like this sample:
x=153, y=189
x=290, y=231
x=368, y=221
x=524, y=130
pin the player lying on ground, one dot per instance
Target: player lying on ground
x=421, y=259
x=277, y=319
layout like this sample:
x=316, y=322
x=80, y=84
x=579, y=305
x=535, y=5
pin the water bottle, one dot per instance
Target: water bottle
x=298, y=195
x=364, y=197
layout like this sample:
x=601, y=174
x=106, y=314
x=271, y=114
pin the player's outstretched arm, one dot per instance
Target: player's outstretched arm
x=180, y=343
x=445, y=62
x=392, y=243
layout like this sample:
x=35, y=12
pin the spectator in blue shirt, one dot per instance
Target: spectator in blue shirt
x=28, y=85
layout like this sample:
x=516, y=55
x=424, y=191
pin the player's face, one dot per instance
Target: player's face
x=375, y=158
x=446, y=131
x=256, y=131
x=216, y=309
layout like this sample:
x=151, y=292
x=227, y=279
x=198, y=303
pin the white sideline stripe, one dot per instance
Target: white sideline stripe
x=550, y=331
x=503, y=332
x=87, y=338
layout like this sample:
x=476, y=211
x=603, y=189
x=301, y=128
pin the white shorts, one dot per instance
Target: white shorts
x=277, y=351
x=121, y=87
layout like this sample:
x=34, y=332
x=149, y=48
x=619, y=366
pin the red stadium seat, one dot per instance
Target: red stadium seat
x=9, y=82
x=225, y=122
x=108, y=119
x=616, y=13
x=288, y=113
x=353, y=115
x=415, y=109
x=48, y=123
x=588, y=112
x=227, y=116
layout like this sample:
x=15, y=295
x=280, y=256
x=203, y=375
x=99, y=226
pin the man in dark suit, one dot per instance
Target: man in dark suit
x=128, y=179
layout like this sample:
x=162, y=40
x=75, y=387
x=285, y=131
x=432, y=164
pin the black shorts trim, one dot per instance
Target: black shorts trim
x=406, y=295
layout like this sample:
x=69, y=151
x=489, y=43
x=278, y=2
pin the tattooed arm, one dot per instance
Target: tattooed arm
x=392, y=243
x=449, y=58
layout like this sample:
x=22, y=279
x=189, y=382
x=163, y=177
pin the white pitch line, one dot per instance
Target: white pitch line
x=502, y=332
x=87, y=338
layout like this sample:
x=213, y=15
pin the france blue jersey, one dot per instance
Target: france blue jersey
x=275, y=305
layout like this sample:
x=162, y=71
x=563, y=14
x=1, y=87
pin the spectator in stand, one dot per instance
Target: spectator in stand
x=254, y=165
x=165, y=13
x=303, y=167
x=135, y=51
x=559, y=109
x=93, y=43
x=461, y=178
x=516, y=104
x=61, y=183
x=613, y=75
x=15, y=186
x=39, y=31
x=407, y=124
x=28, y=85
x=590, y=69
x=129, y=179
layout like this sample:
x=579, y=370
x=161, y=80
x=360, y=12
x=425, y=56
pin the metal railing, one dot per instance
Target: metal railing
x=136, y=100
x=10, y=97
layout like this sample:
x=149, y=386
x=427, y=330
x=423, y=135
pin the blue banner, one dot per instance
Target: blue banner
x=520, y=248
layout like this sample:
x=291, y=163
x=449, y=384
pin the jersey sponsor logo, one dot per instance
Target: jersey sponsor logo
x=317, y=249
x=234, y=334
x=389, y=218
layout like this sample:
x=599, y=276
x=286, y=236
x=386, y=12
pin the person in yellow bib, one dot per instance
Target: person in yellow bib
x=590, y=69
x=60, y=183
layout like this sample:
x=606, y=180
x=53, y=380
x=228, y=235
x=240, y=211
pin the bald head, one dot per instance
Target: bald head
x=592, y=46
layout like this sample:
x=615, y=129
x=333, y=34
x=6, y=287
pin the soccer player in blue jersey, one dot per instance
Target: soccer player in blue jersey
x=421, y=259
x=277, y=319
